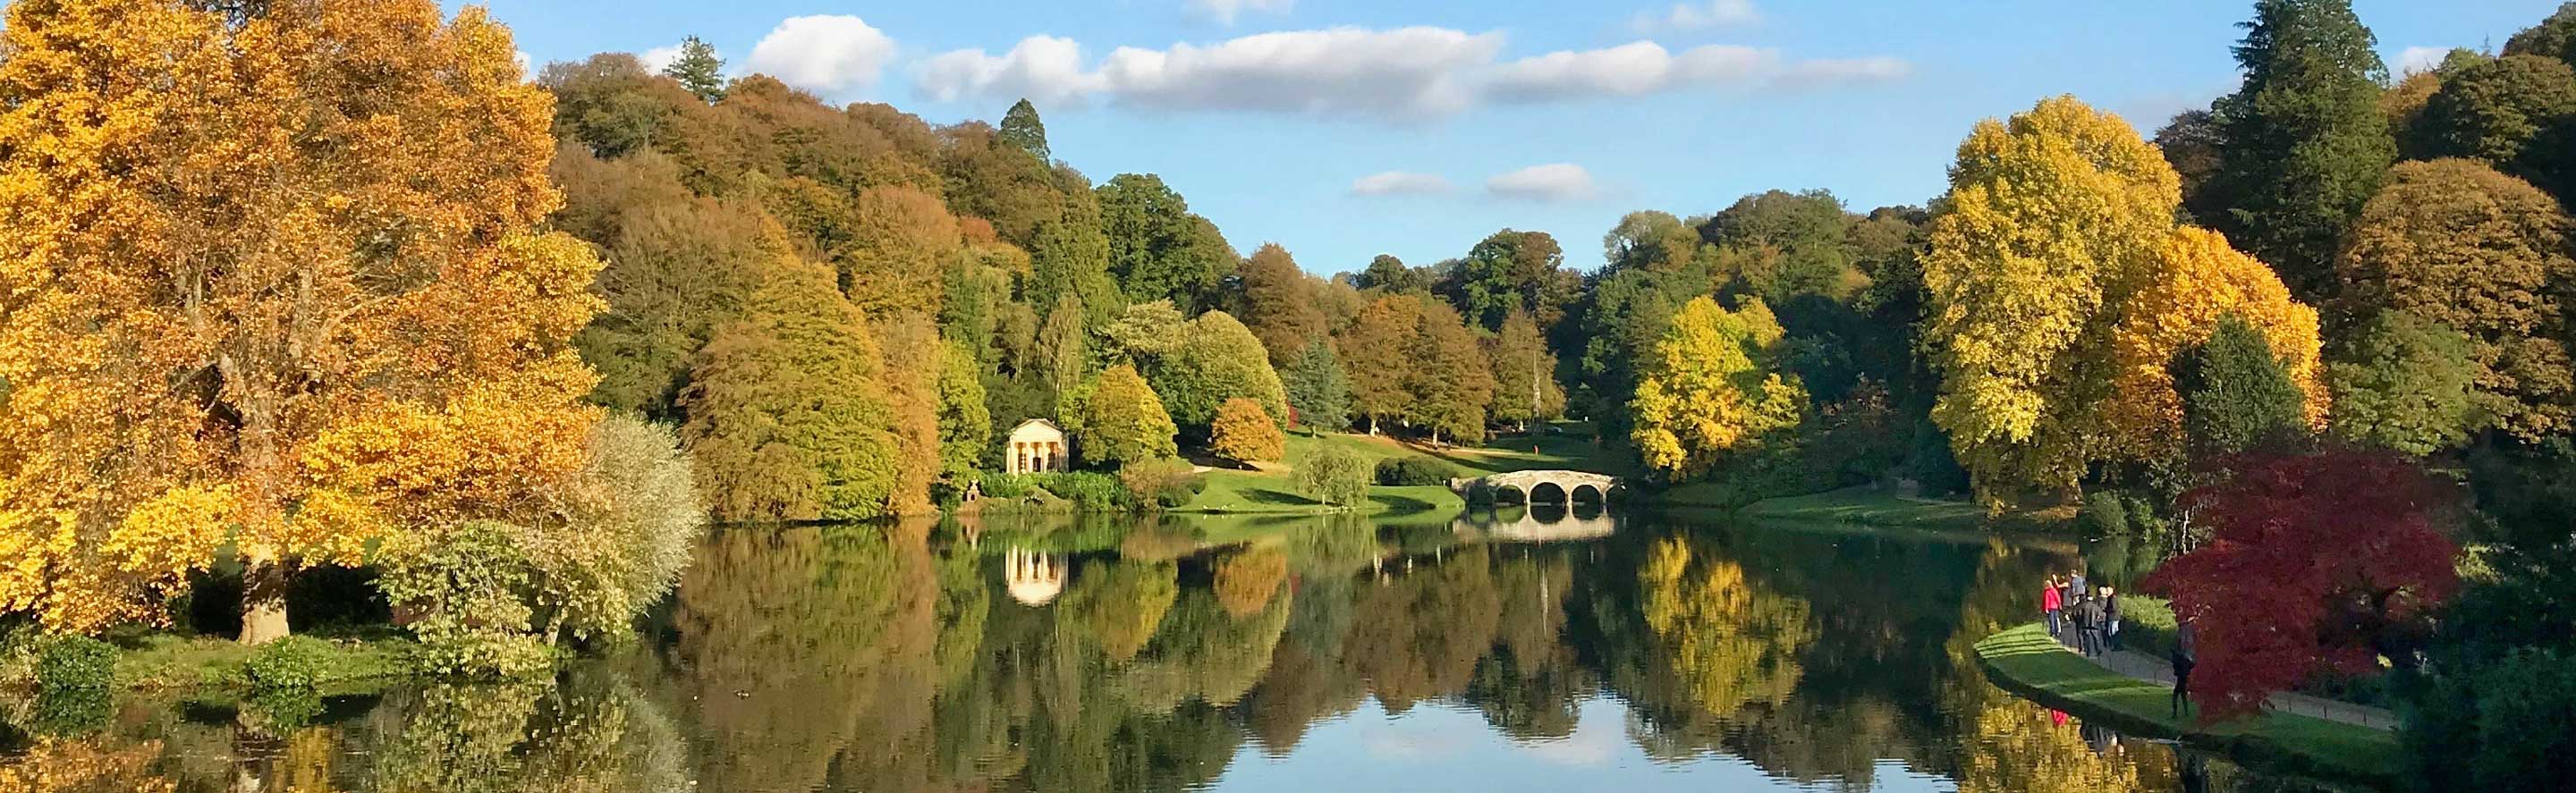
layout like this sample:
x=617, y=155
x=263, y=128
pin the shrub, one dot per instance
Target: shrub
x=1245, y=433
x=1006, y=486
x=632, y=532
x=1091, y=490
x=2498, y=725
x=2105, y=514
x=292, y=662
x=75, y=663
x=462, y=589
x=1414, y=471
x=1335, y=478
x=1165, y=483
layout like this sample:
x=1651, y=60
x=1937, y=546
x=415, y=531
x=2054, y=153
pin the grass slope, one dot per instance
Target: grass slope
x=1274, y=491
x=1874, y=506
x=2024, y=660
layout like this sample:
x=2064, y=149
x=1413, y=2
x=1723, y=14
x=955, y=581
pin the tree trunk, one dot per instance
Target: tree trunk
x=263, y=601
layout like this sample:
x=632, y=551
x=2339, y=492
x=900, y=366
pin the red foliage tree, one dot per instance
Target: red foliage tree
x=2329, y=559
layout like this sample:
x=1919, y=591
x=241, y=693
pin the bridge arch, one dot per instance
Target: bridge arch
x=1545, y=486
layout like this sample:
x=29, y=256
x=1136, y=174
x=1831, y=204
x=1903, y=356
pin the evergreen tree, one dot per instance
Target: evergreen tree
x=1060, y=348
x=698, y=69
x=2307, y=143
x=2236, y=395
x=1318, y=389
x=1021, y=128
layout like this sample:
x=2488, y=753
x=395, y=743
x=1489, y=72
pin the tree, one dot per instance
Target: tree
x=2194, y=143
x=899, y=240
x=1787, y=244
x=1387, y=274
x=1449, y=383
x=1334, y=477
x=1512, y=271
x=1379, y=341
x=2307, y=144
x=638, y=522
x=1217, y=359
x=2507, y=112
x=2236, y=395
x=965, y=425
x=789, y=415
x=2454, y=243
x=679, y=267
x=1279, y=303
x=1525, y=386
x=2018, y=287
x=2554, y=37
x=1124, y=421
x=1060, y=341
x=2403, y=383
x=1145, y=333
x=1319, y=392
x=202, y=315
x=1021, y=129
x=2269, y=609
x=2191, y=289
x=1244, y=433
x=1709, y=388
x=698, y=69
x=913, y=356
x=1158, y=250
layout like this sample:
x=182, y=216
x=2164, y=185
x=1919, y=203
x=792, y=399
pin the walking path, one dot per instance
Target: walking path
x=2160, y=672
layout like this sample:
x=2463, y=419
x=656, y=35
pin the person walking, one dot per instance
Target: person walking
x=2186, y=654
x=2052, y=603
x=2092, y=626
x=2111, y=618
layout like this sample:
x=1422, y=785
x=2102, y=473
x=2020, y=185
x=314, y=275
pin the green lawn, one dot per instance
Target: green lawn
x=2026, y=661
x=1871, y=506
x=1273, y=491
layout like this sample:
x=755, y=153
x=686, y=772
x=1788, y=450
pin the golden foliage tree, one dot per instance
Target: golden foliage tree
x=2194, y=280
x=1708, y=388
x=789, y=415
x=247, y=295
x=1243, y=432
x=2049, y=216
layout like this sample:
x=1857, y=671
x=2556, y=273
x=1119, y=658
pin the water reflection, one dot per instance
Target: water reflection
x=1234, y=654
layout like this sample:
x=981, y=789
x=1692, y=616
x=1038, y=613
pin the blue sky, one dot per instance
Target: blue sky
x=1272, y=116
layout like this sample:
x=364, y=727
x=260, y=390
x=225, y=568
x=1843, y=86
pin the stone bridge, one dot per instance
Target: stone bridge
x=1539, y=524
x=1534, y=486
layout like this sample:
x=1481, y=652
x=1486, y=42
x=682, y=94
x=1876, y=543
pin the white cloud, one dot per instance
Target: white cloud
x=658, y=58
x=1697, y=16
x=1402, y=75
x=527, y=65
x=1400, y=183
x=828, y=55
x=1044, y=69
x=2420, y=59
x=1223, y=12
x=1552, y=182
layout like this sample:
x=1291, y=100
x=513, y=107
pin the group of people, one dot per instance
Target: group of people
x=2087, y=620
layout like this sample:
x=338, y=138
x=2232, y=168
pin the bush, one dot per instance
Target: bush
x=75, y=663
x=1245, y=433
x=1163, y=483
x=461, y=589
x=634, y=530
x=2499, y=725
x=2105, y=514
x=1091, y=490
x=291, y=662
x=1414, y=471
x=1007, y=486
x=1335, y=478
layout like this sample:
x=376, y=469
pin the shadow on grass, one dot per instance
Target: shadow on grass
x=1263, y=495
x=1403, y=505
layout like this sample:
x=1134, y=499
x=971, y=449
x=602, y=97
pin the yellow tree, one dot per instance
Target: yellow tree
x=1708, y=388
x=2049, y=216
x=241, y=292
x=2194, y=279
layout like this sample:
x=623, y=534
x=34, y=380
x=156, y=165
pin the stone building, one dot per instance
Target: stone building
x=1037, y=445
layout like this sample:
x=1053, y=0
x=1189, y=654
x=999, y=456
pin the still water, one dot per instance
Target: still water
x=1504, y=652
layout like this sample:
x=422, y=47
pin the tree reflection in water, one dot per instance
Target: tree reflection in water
x=846, y=658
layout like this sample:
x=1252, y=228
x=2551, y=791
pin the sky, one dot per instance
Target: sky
x=1343, y=129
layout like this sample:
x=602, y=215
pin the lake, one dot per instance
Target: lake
x=1509, y=651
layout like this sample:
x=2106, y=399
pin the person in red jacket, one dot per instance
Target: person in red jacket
x=2052, y=604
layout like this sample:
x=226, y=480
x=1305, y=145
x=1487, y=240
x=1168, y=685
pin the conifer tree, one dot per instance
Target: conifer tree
x=698, y=69
x=1318, y=390
x=2307, y=143
x=1022, y=129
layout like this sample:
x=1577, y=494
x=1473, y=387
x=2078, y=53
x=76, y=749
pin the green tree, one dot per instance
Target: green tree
x=679, y=267
x=2404, y=384
x=1244, y=433
x=1388, y=274
x=2554, y=37
x=2236, y=395
x=698, y=69
x=2510, y=112
x=1124, y=422
x=788, y=416
x=2194, y=143
x=2307, y=143
x=1380, y=341
x=1318, y=390
x=1158, y=249
x=2457, y=244
x=1022, y=129
x=1217, y=359
x=965, y=424
x=1279, y=302
x=1512, y=271
x=1060, y=347
x=1334, y=477
x=1711, y=389
x=1525, y=387
x=1785, y=244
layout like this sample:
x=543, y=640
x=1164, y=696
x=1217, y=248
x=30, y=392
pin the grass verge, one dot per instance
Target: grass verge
x=1274, y=491
x=2025, y=661
x=1873, y=506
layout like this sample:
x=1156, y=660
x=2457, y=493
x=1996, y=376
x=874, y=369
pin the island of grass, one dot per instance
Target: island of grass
x=1271, y=490
x=2024, y=660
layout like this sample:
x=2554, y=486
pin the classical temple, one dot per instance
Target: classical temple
x=1037, y=445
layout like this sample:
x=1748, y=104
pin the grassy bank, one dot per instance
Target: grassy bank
x=1274, y=491
x=1874, y=506
x=2024, y=660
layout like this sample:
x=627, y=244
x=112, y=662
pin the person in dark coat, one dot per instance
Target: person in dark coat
x=2111, y=618
x=2091, y=625
x=2186, y=654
